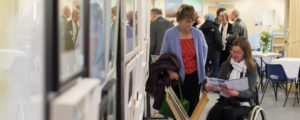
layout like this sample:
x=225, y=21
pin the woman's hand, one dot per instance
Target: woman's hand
x=208, y=87
x=173, y=75
x=229, y=92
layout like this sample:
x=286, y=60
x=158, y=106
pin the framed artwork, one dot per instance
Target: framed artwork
x=197, y=4
x=70, y=39
x=171, y=7
x=97, y=41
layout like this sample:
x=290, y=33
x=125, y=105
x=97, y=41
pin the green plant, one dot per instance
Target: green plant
x=265, y=38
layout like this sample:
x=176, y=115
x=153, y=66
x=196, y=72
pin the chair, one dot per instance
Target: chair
x=297, y=87
x=261, y=71
x=276, y=75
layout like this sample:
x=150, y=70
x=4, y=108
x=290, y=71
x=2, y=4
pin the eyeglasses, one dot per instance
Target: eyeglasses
x=238, y=52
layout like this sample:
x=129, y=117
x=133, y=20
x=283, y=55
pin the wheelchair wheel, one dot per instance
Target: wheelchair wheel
x=257, y=113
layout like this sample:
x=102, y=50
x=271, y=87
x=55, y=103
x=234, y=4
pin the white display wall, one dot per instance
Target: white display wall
x=21, y=63
x=135, y=27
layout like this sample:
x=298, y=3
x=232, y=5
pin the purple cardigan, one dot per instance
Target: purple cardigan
x=171, y=44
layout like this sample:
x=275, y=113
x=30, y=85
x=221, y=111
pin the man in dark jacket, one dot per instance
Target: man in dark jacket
x=158, y=27
x=214, y=43
x=239, y=27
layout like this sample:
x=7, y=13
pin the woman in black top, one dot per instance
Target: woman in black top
x=239, y=65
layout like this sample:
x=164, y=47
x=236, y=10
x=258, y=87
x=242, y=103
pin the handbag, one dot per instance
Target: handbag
x=165, y=109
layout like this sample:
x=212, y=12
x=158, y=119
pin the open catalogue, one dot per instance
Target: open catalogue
x=237, y=84
x=178, y=110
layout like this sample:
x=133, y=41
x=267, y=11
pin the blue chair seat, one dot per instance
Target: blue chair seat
x=276, y=75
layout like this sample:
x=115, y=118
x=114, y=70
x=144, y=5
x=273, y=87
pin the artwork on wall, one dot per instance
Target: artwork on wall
x=171, y=7
x=96, y=40
x=197, y=4
x=70, y=39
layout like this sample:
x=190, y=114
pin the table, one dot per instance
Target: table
x=290, y=66
x=267, y=57
x=260, y=57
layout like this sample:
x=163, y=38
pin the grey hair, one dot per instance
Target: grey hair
x=235, y=12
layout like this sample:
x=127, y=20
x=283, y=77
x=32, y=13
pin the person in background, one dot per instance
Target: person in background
x=226, y=30
x=158, y=27
x=189, y=45
x=214, y=42
x=239, y=28
x=217, y=20
x=239, y=65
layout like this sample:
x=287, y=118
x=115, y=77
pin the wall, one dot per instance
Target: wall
x=5, y=11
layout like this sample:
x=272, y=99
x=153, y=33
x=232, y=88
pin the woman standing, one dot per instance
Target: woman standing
x=189, y=45
x=225, y=29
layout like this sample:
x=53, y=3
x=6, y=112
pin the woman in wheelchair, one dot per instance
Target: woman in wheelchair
x=238, y=65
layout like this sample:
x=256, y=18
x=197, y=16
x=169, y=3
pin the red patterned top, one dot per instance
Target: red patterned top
x=188, y=55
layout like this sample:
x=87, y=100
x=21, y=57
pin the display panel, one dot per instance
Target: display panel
x=70, y=39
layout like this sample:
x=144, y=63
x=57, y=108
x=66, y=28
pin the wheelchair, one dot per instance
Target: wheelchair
x=256, y=112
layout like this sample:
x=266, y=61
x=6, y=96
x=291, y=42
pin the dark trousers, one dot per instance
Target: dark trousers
x=225, y=111
x=190, y=90
x=224, y=56
x=212, y=64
